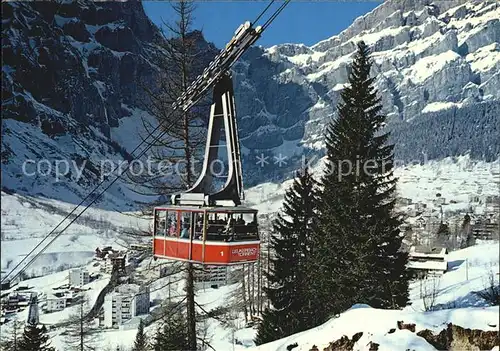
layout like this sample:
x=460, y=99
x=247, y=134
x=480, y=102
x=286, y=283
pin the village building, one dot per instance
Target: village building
x=54, y=303
x=102, y=253
x=117, y=260
x=124, y=303
x=78, y=277
x=486, y=229
x=424, y=261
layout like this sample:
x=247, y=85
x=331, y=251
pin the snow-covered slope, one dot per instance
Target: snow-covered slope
x=74, y=97
x=375, y=325
x=456, y=303
x=455, y=178
x=27, y=220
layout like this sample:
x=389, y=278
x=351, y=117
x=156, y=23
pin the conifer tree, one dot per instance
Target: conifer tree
x=140, y=343
x=10, y=341
x=357, y=256
x=466, y=231
x=173, y=335
x=35, y=338
x=287, y=292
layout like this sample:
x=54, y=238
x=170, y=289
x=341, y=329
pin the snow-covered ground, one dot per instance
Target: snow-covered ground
x=469, y=270
x=375, y=325
x=455, y=178
x=25, y=221
x=456, y=303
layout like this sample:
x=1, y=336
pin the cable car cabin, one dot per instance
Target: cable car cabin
x=206, y=235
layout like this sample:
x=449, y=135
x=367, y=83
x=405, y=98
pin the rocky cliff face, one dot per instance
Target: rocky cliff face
x=437, y=65
x=71, y=91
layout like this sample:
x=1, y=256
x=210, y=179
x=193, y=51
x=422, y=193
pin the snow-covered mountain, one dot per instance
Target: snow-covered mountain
x=437, y=65
x=72, y=75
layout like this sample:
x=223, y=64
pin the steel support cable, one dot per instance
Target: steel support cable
x=275, y=14
x=266, y=24
x=83, y=210
x=262, y=13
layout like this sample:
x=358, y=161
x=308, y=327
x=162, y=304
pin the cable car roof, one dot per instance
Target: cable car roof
x=220, y=209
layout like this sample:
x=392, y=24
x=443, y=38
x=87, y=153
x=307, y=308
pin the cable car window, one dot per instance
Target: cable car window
x=172, y=223
x=198, y=228
x=185, y=224
x=160, y=219
x=216, y=225
x=246, y=226
x=212, y=226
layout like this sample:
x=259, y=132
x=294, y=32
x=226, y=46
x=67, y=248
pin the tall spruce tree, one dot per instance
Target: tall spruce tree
x=290, y=312
x=140, y=342
x=35, y=338
x=172, y=335
x=10, y=341
x=357, y=256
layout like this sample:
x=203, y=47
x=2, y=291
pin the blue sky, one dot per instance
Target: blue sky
x=299, y=22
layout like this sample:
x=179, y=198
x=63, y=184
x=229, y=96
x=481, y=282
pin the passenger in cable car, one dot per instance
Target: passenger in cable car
x=229, y=231
x=240, y=220
x=160, y=227
x=185, y=231
x=171, y=228
x=198, y=233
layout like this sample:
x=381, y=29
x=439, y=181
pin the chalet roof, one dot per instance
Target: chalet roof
x=428, y=265
x=435, y=250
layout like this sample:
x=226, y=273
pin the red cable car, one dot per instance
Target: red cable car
x=200, y=225
x=206, y=235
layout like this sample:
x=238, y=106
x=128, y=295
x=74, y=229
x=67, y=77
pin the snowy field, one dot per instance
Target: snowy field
x=26, y=220
x=454, y=178
x=455, y=303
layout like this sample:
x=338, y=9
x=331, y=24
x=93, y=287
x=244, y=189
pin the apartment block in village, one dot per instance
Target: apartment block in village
x=78, y=277
x=124, y=303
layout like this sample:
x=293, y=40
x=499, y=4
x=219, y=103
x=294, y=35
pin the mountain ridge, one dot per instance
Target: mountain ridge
x=74, y=92
x=429, y=59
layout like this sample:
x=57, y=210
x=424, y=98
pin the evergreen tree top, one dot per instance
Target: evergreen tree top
x=35, y=338
x=357, y=243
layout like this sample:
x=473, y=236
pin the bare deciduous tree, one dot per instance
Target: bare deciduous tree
x=429, y=292
x=491, y=292
x=178, y=59
x=79, y=334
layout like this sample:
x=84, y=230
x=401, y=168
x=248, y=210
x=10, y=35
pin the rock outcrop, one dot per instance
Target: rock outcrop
x=456, y=338
x=344, y=343
x=436, y=65
x=73, y=89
